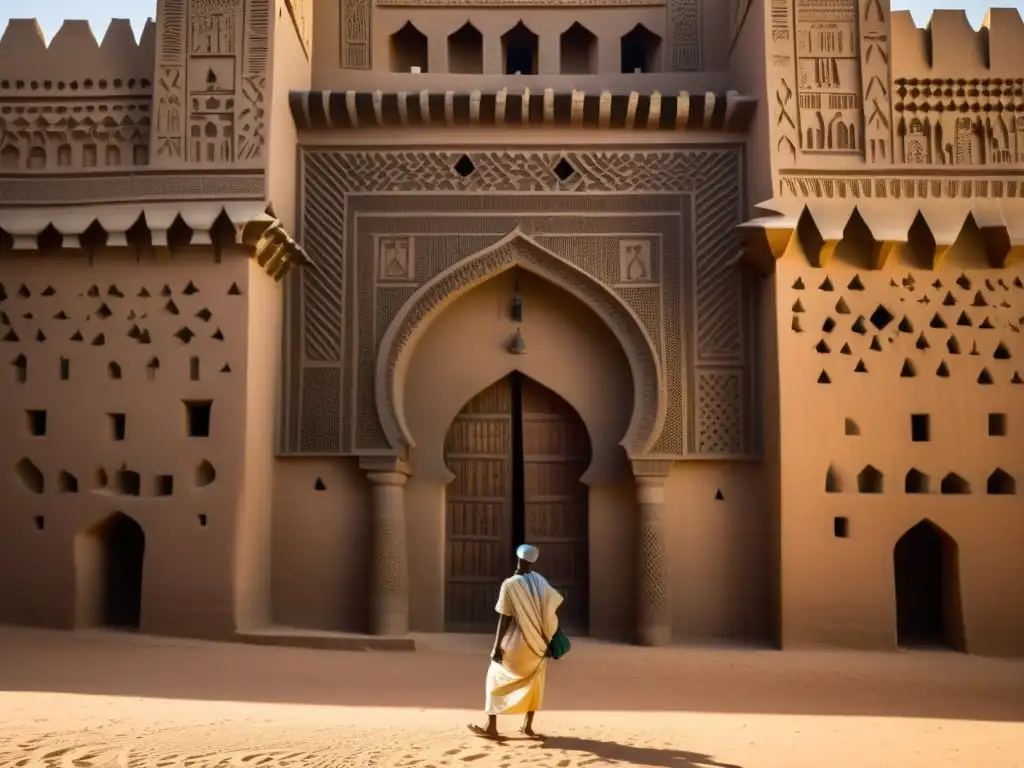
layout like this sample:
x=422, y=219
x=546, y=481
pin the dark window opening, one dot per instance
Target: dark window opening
x=577, y=50
x=640, y=51
x=409, y=50
x=197, y=417
x=36, y=423
x=520, y=50
x=466, y=51
x=118, y=425
x=920, y=428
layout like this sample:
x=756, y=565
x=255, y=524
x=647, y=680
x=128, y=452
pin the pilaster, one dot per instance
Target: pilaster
x=653, y=612
x=389, y=565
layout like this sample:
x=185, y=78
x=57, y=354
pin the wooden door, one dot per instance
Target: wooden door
x=556, y=452
x=478, y=449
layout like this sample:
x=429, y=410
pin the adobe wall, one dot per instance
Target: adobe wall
x=862, y=351
x=120, y=340
x=355, y=44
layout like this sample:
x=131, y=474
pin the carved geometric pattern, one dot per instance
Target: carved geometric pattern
x=652, y=586
x=388, y=558
x=119, y=188
x=348, y=312
x=720, y=406
x=685, y=28
x=517, y=171
x=212, y=58
x=831, y=186
x=320, y=391
x=719, y=330
x=355, y=35
x=323, y=284
x=965, y=123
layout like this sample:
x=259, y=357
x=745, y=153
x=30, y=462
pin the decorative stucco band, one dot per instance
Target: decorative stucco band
x=518, y=250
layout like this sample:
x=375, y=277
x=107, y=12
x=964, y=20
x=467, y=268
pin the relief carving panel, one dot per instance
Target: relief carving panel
x=966, y=123
x=665, y=247
x=830, y=62
x=685, y=27
x=355, y=33
x=212, y=58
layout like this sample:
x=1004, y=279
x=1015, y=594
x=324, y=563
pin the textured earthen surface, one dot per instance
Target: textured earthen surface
x=96, y=699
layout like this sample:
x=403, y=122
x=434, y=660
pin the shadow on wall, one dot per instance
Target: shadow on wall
x=845, y=683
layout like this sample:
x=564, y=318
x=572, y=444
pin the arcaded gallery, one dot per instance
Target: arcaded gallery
x=312, y=310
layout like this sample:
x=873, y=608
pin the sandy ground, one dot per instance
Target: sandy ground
x=99, y=699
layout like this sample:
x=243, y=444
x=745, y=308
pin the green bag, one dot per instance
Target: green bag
x=559, y=645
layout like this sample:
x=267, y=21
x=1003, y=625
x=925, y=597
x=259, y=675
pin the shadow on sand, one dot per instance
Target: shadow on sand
x=630, y=755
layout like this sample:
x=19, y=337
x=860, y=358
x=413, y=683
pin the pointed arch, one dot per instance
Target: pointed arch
x=518, y=250
x=926, y=575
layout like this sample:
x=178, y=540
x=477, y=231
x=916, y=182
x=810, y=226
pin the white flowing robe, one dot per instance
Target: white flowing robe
x=516, y=686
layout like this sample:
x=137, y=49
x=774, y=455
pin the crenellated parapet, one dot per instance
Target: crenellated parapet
x=958, y=92
x=77, y=104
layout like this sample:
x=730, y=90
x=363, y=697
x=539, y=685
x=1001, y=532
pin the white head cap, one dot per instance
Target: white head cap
x=528, y=553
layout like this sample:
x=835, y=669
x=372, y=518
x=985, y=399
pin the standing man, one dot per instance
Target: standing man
x=527, y=607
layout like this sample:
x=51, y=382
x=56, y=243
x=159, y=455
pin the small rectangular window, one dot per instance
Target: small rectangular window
x=920, y=428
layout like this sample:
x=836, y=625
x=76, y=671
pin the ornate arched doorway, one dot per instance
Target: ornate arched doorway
x=926, y=570
x=517, y=451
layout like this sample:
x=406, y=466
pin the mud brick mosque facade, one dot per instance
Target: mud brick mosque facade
x=310, y=310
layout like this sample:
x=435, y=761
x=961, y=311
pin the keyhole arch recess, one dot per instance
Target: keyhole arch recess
x=517, y=250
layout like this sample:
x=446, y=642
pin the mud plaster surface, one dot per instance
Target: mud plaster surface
x=115, y=700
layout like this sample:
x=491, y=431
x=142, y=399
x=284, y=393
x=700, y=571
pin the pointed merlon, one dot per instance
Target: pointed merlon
x=74, y=38
x=23, y=37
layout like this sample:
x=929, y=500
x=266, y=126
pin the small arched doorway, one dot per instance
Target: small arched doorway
x=109, y=562
x=926, y=566
x=517, y=451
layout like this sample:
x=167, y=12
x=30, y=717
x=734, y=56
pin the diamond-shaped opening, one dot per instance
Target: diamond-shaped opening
x=881, y=317
x=464, y=166
x=564, y=169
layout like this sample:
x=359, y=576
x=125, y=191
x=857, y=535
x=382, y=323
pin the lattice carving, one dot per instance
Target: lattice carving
x=652, y=581
x=321, y=388
x=346, y=220
x=389, y=569
x=720, y=408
